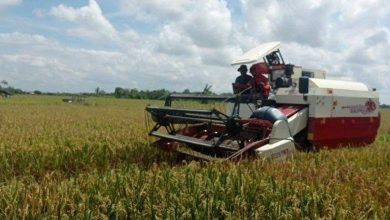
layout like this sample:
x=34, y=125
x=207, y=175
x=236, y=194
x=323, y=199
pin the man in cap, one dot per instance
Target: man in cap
x=242, y=81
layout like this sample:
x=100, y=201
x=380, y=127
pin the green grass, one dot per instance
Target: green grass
x=94, y=160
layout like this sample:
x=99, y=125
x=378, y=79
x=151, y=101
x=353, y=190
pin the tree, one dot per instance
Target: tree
x=119, y=92
x=97, y=90
x=207, y=90
x=4, y=82
x=133, y=94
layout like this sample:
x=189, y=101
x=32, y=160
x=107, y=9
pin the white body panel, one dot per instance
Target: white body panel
x=280, y=131
x=277, y=150
x=345, y=107
x=281, y=142
x=337, y=84
x=257, y=53
x=289, y=95
x=298, y=122
x=333, y=98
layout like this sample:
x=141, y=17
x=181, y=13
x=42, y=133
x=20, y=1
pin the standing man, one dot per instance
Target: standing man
x=242, y=81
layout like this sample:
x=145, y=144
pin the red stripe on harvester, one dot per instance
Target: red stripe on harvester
x=342, y=131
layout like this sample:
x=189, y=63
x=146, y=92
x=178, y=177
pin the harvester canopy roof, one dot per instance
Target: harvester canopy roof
x=257, y=53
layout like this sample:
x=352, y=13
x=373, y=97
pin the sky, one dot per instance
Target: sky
x=78, y=45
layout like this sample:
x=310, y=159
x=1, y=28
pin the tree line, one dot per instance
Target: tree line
x=155, y=94
x=6, y=88
x=119, y=92
x=139, y=94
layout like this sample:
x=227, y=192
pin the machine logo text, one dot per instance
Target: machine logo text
x=367, y=108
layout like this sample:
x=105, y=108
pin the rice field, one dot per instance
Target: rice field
x=94, y=161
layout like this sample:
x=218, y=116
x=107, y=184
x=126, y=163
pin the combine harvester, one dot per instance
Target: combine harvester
x=304, y=111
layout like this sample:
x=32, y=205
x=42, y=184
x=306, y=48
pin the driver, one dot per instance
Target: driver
x=242, y=81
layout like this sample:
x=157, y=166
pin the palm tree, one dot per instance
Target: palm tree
x=4, y=82
x=207, y=90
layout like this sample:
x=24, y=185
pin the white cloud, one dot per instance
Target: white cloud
x=175, y=42
x=21, y=39
x=149, y=10
x=54, y=66
x=207, y=23
x=90, y=21
x=50, y=65
x=8, y=3
x=289, y=21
